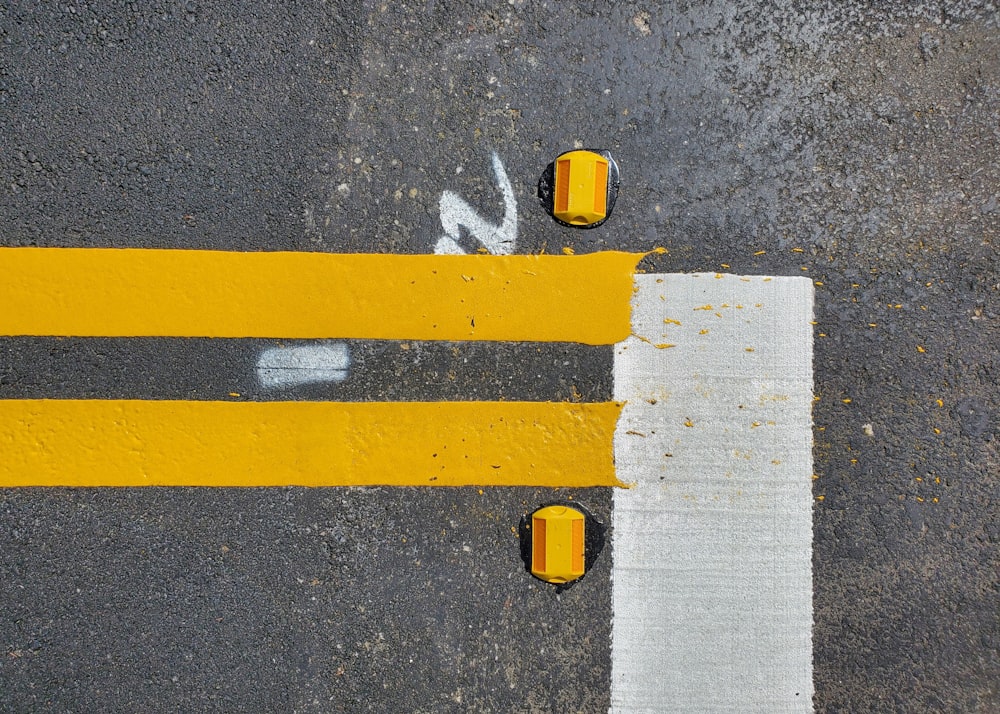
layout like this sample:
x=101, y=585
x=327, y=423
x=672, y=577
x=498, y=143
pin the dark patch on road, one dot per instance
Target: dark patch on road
x=327, y=600
x=225, y=369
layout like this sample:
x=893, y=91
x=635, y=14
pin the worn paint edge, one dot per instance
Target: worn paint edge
x=105, y=443
x=102, y=292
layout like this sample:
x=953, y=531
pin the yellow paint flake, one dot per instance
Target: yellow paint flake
x=688, y=423
x=567, y=250
x=739, y=307
x=657, y=345
x=846, y=401
x=935, y=500
x=919, y=499
x=815, y=477
x=234, y=394
x=718, y=276
x=820, y=498
x=767, y=280
x=918, y=479
x=798, y=250
x=748, y=349
x=920, y=349
x=872, y=324
x=776, y=462
x=754, y=425
x=704, y=307
x=823, y=334
x=725, y=265
x=939, y=402
x=817, y=282
x=760, y=252
x=936, y=430
x=669, y=321
x=703, y=332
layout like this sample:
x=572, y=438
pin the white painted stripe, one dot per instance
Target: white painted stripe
x=282, y=367
x=712, y=577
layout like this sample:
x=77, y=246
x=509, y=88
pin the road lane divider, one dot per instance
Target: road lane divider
x=102, y=292
x=49, y=442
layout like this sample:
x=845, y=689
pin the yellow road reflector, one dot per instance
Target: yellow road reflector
x=186, y=443
x=98, y=292
x=557, y=544
x=580, y=187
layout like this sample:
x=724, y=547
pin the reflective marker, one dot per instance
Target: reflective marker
x=579, y=188
x=557, y=544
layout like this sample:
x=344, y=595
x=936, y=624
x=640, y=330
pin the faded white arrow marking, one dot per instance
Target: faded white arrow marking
x=456, y=214
x=280, y=367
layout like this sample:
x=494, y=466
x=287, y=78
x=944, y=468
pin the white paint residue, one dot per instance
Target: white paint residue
x=456, y=214
x=280, y=367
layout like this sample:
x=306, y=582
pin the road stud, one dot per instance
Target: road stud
x=580, y=187
x=558, y=537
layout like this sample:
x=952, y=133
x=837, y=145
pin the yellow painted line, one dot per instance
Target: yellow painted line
x=182, y=443
x=98, y=292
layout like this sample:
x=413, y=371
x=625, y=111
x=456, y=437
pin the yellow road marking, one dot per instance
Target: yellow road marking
x=183, y=443
x=96, y=292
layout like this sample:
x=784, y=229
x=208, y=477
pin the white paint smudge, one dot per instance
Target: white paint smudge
x=281, y=367
x=456, y=213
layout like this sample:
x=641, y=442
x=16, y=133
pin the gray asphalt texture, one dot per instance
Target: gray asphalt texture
x=852, y=142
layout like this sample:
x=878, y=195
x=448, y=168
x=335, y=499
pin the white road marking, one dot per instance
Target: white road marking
x=457, y=213
x=712, y=576
x=282, y=367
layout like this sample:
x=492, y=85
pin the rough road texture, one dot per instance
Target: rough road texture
x=852, y=142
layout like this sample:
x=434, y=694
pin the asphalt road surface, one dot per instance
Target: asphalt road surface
x=854, y=143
